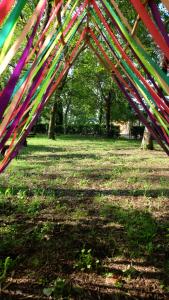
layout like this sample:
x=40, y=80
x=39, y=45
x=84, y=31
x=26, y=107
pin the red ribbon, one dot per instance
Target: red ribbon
x=5, y=7
x=139, y=7
x=157, y=99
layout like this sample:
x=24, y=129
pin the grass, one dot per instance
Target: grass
x=85, y=218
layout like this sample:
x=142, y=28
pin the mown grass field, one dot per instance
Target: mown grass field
x=85, y=218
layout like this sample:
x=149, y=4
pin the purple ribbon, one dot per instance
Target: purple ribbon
x=27, y=131
x=136, y=56
x=142, y=118
x=152, y=118
x=159, y=22
x=15, y=122
x=8, y=90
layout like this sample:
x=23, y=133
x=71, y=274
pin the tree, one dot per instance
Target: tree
x=90, y=97
x=56, y=113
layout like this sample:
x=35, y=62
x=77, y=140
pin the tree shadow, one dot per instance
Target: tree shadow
x=64, y=156
x=87, y=192
x=45, y=241
x=40, y=148
x=48, y=245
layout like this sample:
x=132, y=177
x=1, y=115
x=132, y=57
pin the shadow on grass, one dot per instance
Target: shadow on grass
x=51, y=154
x=45, y=239
x=40, y=148
x=62, y=192
x=48, y=245
x=122, y=144
x=50, y=157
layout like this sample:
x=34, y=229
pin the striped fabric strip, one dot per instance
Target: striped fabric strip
x=11, y=21
x=5, y=7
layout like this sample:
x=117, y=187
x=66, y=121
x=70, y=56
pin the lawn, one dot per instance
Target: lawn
x=85, y=218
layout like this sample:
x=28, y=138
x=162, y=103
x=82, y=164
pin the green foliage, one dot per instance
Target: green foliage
x=89, y=83
x=4, y=266
x=86, y=260
x=9, y=192
x=140, y=228
x=34, y=207
x=131, y=272
x=46, y=230
x=118, y=284
x=60, y=289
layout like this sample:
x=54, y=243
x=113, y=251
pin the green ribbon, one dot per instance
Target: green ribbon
x=11, y=20
x=148, y=62
x=46, y=52
x=7, y=44
x=46, y=82
x=132, y=75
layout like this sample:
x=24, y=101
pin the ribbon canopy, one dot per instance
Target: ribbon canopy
x=45, y=50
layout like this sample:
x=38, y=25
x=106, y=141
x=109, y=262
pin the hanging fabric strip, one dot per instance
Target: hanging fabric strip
x=42, y=36
x=21, y=111
x=11, y=20
x=53, y=88
x=6, y=44
x=50, y=42
x=13, y=50
x=8, y=90
x=159, y=22
x=53, y=85
x=46, y=96
x=12, y=111
x=141, y=10
x=26, y=78
x=160, y=101
x=42, y=89
x=125, y=21
x=136, y=96
x=149, y=76
x=150, y=64
x=132, y=76
x=142, y=118
x=144, y=92
x=124, y=55
x=5, y=7
x=53, y=66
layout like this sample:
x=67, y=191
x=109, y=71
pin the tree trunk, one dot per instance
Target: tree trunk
x=54, y=119
x=66, y=116
x=100, y=118
x=147, y=141
x=59, y=117
x=52, y=122
x=130, y=125
x=108, y=114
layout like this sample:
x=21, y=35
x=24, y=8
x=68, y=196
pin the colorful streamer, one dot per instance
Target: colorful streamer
x=11, y=21
x=50, y=52
x=5, y=7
